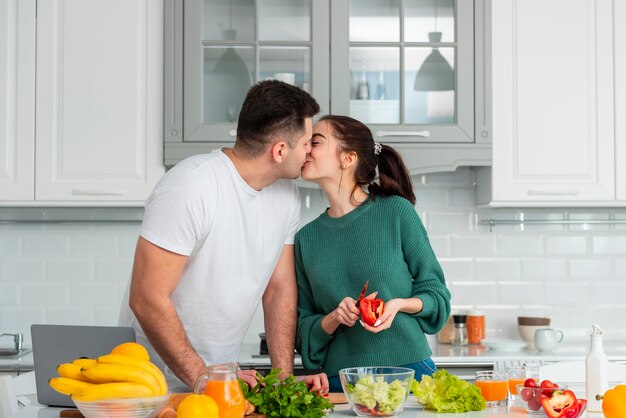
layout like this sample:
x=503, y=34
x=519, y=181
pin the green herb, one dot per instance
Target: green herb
x=445, y=392
x=284, y=398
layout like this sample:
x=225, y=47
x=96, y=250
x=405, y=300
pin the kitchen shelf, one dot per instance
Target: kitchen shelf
x=496, y=222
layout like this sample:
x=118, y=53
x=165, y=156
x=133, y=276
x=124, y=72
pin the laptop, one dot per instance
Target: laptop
x=57, y=344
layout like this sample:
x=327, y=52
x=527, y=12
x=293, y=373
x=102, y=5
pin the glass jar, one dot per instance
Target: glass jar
x=475, y=326
x=459, y=332
x=220, y=383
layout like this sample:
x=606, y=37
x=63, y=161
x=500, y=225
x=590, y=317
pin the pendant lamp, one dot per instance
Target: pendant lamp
x=435, y=74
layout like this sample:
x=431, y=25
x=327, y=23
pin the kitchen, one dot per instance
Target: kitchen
x=68, y=232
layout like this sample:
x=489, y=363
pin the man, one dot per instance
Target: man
x=217, y=238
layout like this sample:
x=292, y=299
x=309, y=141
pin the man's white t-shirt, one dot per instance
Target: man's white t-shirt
x=233, y=235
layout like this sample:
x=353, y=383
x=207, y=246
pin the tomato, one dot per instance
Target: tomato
x=533, y=405
x=530, y=383
x=549, y=387
x=526, y=394
x=540, y=396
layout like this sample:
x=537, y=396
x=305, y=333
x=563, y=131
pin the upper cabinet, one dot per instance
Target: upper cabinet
x=413, y=70
x=559, y=96
x=91, y=132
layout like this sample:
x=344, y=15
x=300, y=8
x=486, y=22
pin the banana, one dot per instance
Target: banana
x=107, y=373
x=84, y=361
x=67, y=386
x=71, y=371
x=114, y=390
x=145, y=365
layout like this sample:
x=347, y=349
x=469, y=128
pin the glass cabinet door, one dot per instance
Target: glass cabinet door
x=405, y=67
x=231, y=44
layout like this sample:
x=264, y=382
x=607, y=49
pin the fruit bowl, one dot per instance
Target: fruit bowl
x=376, y=391
x=127, y=408
x=531, y=398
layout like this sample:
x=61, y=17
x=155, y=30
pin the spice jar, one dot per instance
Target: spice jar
x=459, y=332
x=475, y=326
x=445, y=335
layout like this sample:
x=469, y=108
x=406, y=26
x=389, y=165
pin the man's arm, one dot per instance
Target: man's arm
x=280, y=302
x=156, y=273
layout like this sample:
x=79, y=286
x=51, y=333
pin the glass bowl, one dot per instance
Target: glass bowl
x=127, y=408
x=376, y=391
x=530, y=398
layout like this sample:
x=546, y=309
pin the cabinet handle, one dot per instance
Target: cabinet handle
x=86, y=192
x=572, y=192
x=423, y=134
x=232, y=133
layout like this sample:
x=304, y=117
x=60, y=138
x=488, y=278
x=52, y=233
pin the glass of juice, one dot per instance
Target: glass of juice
x=493, y=386
x=517, y=376
x=220, y=383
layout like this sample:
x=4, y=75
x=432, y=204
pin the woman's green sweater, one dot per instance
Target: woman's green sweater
x=382, y=241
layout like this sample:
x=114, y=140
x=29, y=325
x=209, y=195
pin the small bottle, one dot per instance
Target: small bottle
x=596, y=365
x=475, y=326
x=459, y=332
x=381, y=93
x=363, y=89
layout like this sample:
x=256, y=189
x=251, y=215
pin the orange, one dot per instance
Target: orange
x=131, y=349
x=198, y=406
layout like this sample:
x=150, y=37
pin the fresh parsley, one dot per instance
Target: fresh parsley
x=284, y=398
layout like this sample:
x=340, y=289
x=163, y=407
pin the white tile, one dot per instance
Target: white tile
x=9, y=295
x=472, y=246
x=45, y=295
x=70, y=271
x=440, y=245
x=449, y=222
x=22, y=270
x=493, y=269
x=9, y=242
x=519, y=245
x=500, y=320
x=87, y=245
x=474, y=293
x=463, y=198
x=567, y=293
x=608, y=293
x=589, y=268
x=457, y=269
x=432, y=198
x=620, y=268
x=45, y=245
x=589, y=216
x=97, y=295
x=113, y=271
x=109, y=316
x=543, y=268
x=70, y=316
x=14, y=320
x=521, y=293
x=557, y=245
x=126, y=245
x=462, y=176
x=609, y=245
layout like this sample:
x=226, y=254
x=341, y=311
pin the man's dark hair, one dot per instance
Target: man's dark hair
x=273, y=108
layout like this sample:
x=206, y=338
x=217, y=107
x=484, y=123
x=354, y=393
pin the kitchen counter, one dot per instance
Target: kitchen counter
x=11, y=365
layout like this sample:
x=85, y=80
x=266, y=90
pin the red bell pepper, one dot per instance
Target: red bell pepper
x=371, y=310
x=562, y=404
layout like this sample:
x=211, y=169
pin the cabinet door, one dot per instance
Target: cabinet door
x=99, y=94
x=620, y=99
x=405, y=68
x=553, y=131
x=17, y=99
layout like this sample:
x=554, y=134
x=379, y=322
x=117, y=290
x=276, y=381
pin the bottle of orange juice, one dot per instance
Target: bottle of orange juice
x=220, y=383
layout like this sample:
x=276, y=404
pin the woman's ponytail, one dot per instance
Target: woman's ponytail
x=393, y=176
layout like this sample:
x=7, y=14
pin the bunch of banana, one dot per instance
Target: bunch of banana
x=124, y=373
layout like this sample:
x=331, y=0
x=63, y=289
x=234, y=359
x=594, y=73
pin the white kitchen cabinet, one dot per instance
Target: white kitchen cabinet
x=17, y=99
x=619, y=8
x=555, y=140
x=98, y=104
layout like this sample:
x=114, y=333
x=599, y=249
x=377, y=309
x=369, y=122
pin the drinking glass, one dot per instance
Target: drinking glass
x=493, y=386
x=220, y=383
x=517, y=376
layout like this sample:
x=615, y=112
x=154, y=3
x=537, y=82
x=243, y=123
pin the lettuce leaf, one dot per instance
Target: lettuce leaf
x=378, y=395
x=445, y=392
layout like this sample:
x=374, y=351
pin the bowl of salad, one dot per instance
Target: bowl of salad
x=376, y=391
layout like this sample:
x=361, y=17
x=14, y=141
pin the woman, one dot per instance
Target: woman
x=371, y=232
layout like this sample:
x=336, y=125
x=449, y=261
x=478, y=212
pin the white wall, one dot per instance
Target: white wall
x=75, y=273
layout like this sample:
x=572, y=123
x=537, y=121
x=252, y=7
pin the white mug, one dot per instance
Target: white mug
x=547, y=338
x=289, y=78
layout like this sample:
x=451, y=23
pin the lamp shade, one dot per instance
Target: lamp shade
x=435, y=74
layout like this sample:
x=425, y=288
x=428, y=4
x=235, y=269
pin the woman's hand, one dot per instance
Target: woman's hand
x=392, y=307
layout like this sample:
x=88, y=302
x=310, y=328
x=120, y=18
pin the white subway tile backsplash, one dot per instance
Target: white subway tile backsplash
x=107, y=316
x=23, y=270
x=58, y=271
x=609, y=245
x=432, y=198
x=463, y=198
x=45, y=244
x=543, y=268
x=520, y=293
x=476, y=245
x=113, y=270
x=70, y=316
x=20, y=319
x=567, y=293
x=608, y=293
x=519, y=245
x=9, y=294
x=45, y=295
x=457, y=269
x=440, y=245
x=100, y=295
x=620, y=268
x=439, y=222
x=87, y=245
x=559, y=245
x=493, y=269
x=9, y=242
x=589, y=269
x=474, y=293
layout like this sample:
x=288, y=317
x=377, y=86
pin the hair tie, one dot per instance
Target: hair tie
x=377, y=147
